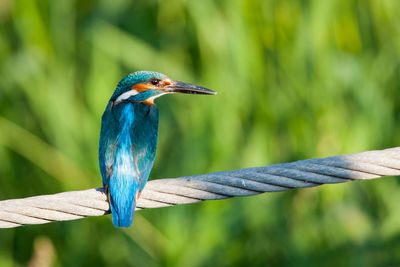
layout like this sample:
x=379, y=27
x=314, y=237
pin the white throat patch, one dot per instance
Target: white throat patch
x=151, y=99
x=130, y=93
x=126, y=95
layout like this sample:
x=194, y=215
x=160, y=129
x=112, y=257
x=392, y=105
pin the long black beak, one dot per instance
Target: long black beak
x=187, y=88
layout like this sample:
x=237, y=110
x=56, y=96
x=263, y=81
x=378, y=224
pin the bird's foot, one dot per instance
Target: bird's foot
x=106, y=190
x=137, y=196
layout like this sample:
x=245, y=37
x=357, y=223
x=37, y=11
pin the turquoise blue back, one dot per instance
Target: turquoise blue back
x=127, y=148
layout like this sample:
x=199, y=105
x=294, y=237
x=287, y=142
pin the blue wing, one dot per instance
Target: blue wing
x=127, y=147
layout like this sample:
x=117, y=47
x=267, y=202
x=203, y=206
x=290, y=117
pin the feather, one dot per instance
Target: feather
x=127, y=147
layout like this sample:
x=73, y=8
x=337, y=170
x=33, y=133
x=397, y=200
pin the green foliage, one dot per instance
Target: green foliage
x=295, y=80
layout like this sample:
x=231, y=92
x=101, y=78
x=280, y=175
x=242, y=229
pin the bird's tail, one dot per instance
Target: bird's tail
x=123, y=205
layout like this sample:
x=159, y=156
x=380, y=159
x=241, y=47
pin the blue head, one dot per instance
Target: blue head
x=145, y=86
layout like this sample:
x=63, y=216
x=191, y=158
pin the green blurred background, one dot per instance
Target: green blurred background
x=295, y=80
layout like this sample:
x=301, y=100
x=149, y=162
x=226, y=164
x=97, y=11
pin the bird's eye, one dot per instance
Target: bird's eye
x=154, y=81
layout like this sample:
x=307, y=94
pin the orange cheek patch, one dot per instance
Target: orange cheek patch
x=141, y=87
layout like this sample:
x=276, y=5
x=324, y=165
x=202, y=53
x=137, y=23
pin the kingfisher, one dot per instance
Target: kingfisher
x=128, y=138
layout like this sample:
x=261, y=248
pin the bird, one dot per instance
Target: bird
x=128, y=138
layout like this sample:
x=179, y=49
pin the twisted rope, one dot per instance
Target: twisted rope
x=219, y=185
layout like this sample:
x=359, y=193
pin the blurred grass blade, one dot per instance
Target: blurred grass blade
x=43, y=155
x=135, y=53
x=147, y=236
